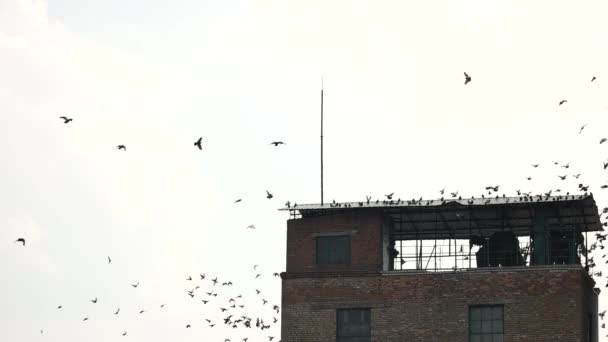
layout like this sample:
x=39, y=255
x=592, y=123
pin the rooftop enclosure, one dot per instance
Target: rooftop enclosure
x=445, y=234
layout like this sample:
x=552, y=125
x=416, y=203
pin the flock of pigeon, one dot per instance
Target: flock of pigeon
x=232, y=306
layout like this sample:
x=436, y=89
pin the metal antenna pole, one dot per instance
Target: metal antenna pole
x=321, y=140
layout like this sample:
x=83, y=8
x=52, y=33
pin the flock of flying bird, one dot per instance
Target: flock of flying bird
x=233, y=307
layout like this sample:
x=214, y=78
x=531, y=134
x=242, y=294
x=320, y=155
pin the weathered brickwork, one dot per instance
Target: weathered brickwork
x=364, y=228
x=540, y=304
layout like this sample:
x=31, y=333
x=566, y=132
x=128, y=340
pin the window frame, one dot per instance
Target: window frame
x=369, y=324
x=492, y=333
x=347, y=237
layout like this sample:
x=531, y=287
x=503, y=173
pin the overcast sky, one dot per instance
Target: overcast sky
x=156, y=75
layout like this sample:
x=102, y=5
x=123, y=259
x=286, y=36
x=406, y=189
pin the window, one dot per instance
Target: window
x=353, y=325
x=333, y=250
x=486, y=323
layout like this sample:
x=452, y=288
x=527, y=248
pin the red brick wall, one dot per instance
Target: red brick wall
x=366, y=244
x=540, y=303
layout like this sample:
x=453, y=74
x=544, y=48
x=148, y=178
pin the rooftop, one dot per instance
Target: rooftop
x=461, y=218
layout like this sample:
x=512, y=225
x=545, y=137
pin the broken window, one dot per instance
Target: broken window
x=333, y=250
x=353, y=325
x=486, y=323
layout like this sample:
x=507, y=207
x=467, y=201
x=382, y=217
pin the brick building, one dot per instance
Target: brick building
x=499, y=269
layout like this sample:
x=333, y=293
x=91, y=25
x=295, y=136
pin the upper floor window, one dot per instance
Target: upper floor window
x=486, y=323
x=353, y=325
x=333, y=250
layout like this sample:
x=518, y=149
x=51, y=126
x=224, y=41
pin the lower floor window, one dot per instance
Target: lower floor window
x=486, y=323
x=353, y=325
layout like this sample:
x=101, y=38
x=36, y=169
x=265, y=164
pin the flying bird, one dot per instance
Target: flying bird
x=562, y=177
x=582, y=127
x=198, y=143
x=59, y=307
x=467, y=78
x=238, y=200
x=268, y=195
x=20, y=240
x=277, y=143
x=65, y=119
x=117, y=311
x=109, y=260
x=135, y=285
x=189, y=278
x=390, y=196
x=94, y=300
x=562, y=102
x=603, y=140
x=250, y=226
x=593, y=79
x=124, y=333
x=121, y=147
x=535, y=165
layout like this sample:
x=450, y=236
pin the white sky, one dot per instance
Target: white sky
x=156, y=75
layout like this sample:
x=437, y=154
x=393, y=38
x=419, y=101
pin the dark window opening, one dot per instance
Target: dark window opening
x=353, y=325
x=486, y=323
x=333, y=250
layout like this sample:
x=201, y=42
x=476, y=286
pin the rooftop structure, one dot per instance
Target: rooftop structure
x=509, y=256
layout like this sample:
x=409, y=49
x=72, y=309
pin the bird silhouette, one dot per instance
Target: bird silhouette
x=390, y=196
x=562, y=102
x=59, y=307
x=562, y=177
x=269, y=195
x=109, y=260
x=94, y=300
x=603, y=140
x=467, y=78
x=20, y=240
x=117, y=311
x=582, y=127
x=135, y=285
x=121, y=147
x=593, y=78
x=124, y=333
x=65, y=119
x=238, y=200
x=250, y=226
x=189, y=278
x=535, y=165
x=198, y=143
x=277, y=143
